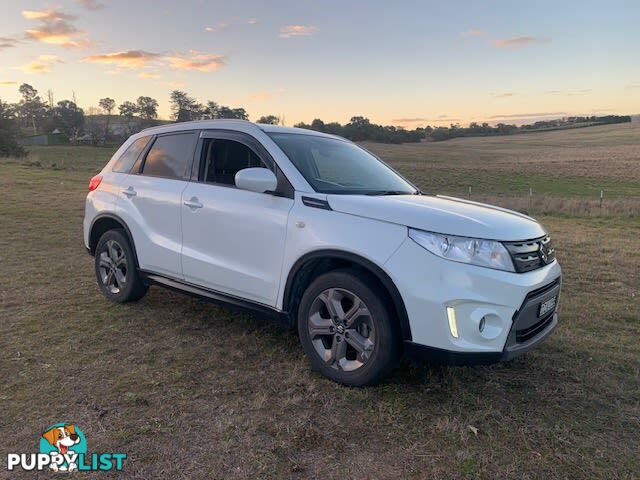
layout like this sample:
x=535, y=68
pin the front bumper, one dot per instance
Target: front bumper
x=496, y=312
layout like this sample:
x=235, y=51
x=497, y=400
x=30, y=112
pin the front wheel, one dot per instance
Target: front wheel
x=346, y=330
x=116, y=270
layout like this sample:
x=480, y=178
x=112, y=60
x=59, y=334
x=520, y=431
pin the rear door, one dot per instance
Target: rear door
x=150, y=201
x=233, y=240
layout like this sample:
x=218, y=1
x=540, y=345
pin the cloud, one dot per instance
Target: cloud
x=289, y=31
x=6, y=42
x=473, y=33
x=55, y=28
x=504, y=95
x=175, y=84
x=252, y=21
x=47, y=15
x=138, y=59
x=43, y=64
x=528, y=115
x=90, y=4
x=260, y=96
x=7, y=83
x=568, y=93
x=148, y=75
x=130, y=59
x=194, y=60
x=517, y=42
x=216, y=28
x=439, y=118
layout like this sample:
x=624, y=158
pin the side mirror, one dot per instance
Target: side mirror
x=256, y=179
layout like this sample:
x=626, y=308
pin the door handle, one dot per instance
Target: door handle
x=193, y=203
x=129, y=192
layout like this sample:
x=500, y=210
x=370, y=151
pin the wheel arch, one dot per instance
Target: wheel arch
x=105, y=222
x=313, y=264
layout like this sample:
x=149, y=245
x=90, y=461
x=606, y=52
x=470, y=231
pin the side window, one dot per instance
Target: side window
x=169, y=156
x=224, y=158
x=131, y=154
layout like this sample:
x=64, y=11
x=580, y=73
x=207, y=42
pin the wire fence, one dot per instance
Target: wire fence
x=606, y=203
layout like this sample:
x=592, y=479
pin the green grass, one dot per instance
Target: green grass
x=193, y=390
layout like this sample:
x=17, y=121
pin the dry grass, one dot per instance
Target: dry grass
x=192, y=390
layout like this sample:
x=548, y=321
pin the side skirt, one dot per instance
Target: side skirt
x=216, y=297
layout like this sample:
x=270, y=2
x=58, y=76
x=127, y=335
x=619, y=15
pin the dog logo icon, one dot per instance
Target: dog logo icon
x=67, y=441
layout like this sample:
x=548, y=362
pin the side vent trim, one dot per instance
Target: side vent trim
x=316, y=203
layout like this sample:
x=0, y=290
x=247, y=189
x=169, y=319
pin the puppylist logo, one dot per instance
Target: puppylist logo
x=63, y=448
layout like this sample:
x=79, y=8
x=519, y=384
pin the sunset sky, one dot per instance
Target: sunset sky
x=406, y=63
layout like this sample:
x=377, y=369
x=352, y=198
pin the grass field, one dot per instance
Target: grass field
x=191, y=390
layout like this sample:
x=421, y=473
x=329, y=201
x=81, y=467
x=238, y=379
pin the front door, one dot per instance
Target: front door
x=233, y=240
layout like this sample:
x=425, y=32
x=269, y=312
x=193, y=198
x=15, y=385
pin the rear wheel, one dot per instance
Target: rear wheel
x=346, y=330
x=116, y=270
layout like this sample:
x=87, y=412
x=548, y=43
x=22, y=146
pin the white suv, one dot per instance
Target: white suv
x=320, y=233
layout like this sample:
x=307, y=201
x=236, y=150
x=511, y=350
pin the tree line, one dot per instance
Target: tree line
x=360, y=129
x=34, y=115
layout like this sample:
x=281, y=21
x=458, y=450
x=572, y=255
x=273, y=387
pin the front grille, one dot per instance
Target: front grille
x=530, y=332
x=531, y=254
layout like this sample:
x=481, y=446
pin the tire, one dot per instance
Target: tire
x=115, y=267
x=355, y=349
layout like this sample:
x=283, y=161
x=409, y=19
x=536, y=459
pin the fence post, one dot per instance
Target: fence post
x=601, y=198
x=469, y=191
x=530, y=195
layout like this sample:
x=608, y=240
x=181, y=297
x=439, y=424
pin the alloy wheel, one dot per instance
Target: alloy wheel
x=341, y=329
x=113, y=267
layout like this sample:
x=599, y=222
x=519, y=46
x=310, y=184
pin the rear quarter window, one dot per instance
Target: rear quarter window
x=169, y=156
x=129, y=157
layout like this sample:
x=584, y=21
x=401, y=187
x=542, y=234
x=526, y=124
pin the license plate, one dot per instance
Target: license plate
x=547, y=306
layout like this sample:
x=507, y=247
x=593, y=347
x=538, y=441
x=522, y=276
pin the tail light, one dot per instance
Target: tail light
x=95, y=182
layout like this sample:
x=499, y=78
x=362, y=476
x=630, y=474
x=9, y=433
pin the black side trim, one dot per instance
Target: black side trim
x=214, y=296
x=116, y=218
x=316, y=203
x=438, y=356
x=403, y=318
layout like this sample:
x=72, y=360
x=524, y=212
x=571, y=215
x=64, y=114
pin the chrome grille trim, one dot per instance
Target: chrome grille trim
x=530, y=255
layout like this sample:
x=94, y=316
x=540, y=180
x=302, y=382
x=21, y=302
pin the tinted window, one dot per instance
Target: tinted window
x=131, y=154
x=337, y=166
x=169, y=156
x=224, y=158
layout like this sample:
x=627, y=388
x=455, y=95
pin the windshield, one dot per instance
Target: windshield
x=336, y=166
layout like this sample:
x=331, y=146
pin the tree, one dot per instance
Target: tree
x=9, y=146
x=269, y=120
x=128, y=110
x=210, y=112
x=185, y=108
x=233, y=113
x=107, y=104
x=147, y=107
x=68, y=117
x=31, y=109
x=240, y=114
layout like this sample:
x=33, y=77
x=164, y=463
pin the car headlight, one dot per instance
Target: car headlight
x=474, y=251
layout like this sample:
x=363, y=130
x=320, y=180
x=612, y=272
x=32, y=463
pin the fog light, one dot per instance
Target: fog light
x=481, y=325
x=453, y=324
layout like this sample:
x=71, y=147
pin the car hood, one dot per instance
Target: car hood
x=453, y=216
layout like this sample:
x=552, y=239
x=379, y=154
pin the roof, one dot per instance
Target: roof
x=231, y=124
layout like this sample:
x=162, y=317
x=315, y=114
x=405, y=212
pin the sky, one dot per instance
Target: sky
x=404, y=63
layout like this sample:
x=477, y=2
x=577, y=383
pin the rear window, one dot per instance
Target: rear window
x=169, y=156
x=129, y=157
